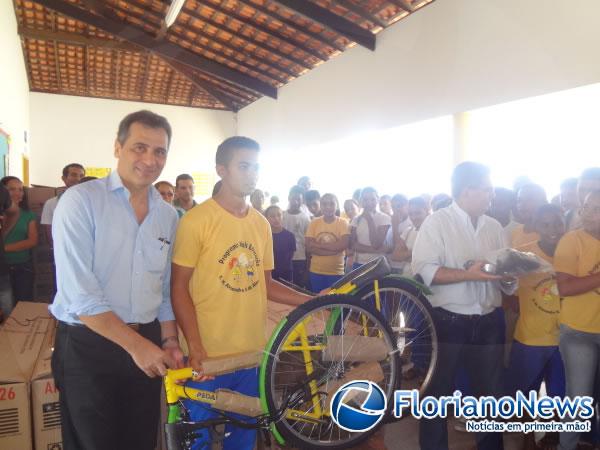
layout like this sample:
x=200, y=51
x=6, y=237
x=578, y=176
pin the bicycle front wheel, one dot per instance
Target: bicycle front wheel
x=324, y=344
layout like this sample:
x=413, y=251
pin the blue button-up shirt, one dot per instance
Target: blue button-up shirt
x=107, y=261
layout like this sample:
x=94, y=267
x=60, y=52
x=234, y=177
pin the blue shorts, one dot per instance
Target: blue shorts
x=530, y=365
x=318, y=281
x=243, y=381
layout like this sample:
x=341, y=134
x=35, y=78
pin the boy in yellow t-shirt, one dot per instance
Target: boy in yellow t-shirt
x=221, y=278
x=577, y=264
x=327, y=239
x=534, y=354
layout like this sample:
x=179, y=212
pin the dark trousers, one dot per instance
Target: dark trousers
x=106, y=401
x=300, y=273
x=21, y=280
x=477, y=344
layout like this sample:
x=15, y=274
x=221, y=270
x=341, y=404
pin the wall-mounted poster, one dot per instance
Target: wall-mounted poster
x=98, y=172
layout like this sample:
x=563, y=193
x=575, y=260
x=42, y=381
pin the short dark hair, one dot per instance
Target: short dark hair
x=168, y=183
x=146, y=118
x=569, y=183
x=368, y=190
x=70, y=166
x=418, y=202
x=228, y=146
x=591, y=173
x=24, y=203
x=548, y=208
x=296, y=190
x=302, y=179
x=311, y=195
x=466, y=175
x=271, y=208
x=216, y=188
x=399, y=198
x=536, y=188
x=182, y=177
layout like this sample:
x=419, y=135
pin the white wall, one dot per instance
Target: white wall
x=14, y=88
x=451, y=56
x=68, y=129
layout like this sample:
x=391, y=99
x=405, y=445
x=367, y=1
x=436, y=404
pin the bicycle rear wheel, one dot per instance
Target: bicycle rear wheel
x=406, y=308
x=322, y=345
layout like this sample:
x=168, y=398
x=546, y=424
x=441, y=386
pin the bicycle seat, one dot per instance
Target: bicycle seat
x=373, y=270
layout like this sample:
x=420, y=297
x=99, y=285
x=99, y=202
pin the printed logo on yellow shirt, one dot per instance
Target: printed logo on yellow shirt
x=242, y=264
x=547, y=294
x=326, y=237
x=594, y=271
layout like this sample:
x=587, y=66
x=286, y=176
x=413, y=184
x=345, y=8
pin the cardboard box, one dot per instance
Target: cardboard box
x=44, y=398
x=21, y=338
x=37, y=196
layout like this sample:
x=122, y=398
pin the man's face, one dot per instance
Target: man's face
x=185, y=190
x=501, y=206
x=584, y=187
x=351, y=209
x=74, y=176
x=551, y=227
x=590, y=214
x=241, y=174
x=295, y=201
x=314, y=206
x=417, y=215
x=166, y=192
x=328, y=206
x=275, y=218
x=528, y=202
x=142, y=156
x=399, y=208
x=479, y=198
x=568, y=198
x=369, y=201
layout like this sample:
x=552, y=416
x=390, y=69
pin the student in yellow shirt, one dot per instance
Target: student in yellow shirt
x=529, y=198
x=327, y=239
x=577, y=264
x=534, y=355
x=221, y=279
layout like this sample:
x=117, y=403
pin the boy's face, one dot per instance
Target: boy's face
x=528, y=202
x=590, y=214
x=241, y=174
x=369, y=201
x=399, y=208
x=584, y=187
x=551, y=227
x=275, y=218
x=328, y=206
x=385, y=205
x=314, y=206
x=351, y=209
x=417, y=215
x=295, y=201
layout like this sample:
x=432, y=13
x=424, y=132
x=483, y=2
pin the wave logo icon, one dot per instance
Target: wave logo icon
x=358, y=406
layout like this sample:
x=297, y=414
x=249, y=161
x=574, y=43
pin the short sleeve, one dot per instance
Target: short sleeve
x=566, y=257
x=188, y=242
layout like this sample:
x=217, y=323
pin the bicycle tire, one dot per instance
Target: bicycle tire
x=285, y=427
x=412, y=294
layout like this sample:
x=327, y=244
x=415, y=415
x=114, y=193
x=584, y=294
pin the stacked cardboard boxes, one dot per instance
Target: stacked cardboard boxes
x=22, y=337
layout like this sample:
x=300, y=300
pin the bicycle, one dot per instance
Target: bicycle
x=355, y=332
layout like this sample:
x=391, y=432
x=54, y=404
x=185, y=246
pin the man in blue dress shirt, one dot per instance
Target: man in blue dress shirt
x=116, y=333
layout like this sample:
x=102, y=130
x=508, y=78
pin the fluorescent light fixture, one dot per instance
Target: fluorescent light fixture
x=173, y=12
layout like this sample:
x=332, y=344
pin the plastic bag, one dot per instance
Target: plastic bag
x=513, y=263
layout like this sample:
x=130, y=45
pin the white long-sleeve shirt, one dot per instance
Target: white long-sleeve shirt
x=448, y=238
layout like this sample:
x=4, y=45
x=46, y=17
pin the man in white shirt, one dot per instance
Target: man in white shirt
x=71, y=175
x=296, y=221
x=465, y=300
x=368, y=230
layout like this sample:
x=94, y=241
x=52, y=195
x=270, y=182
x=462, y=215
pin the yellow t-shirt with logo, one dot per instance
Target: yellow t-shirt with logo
x=578, y=254
x=229, y=256
x=520, y=238
x=539, y=305
x=327, y=233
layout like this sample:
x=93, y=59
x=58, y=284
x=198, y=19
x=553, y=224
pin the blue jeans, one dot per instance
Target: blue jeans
x=243, y=381
x=318, y=281
x=580, y=352
x=476, y=343
x=530, y=365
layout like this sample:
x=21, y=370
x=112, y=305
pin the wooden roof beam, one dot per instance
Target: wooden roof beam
x=336, y=23
x=164, y=49
x=362, y=13
x=75, y=39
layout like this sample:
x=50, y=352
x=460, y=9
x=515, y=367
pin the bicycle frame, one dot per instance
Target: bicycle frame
x=298, y=342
